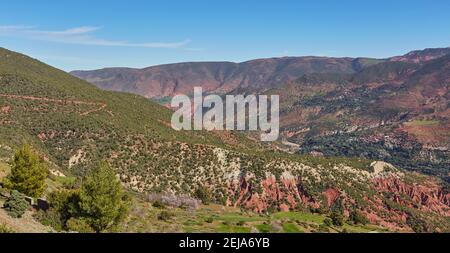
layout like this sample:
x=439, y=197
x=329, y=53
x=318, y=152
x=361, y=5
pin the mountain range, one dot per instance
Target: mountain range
x=225, y=77
x=394, y=109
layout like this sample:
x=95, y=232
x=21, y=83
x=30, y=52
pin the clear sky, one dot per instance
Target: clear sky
x=95, y=34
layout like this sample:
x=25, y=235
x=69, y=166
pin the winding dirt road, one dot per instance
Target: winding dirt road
x=99, y=106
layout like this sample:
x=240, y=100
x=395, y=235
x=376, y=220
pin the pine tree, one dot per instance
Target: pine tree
x=28, y=173
x=337, y=213
x=203, y=194
x=102, y=199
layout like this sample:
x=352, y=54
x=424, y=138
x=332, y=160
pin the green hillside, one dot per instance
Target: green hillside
x=75, y=125
x=62, y=114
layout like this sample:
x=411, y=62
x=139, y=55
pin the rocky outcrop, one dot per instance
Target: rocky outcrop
x=429, y=197
x=5, y=109
x=286, y=194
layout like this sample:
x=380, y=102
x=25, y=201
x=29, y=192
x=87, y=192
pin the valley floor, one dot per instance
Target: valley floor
x=217, y=218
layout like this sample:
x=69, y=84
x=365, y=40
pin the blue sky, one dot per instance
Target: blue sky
x=95, y=34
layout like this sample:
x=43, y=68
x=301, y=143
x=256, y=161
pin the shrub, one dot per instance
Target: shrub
x=337, y=219
x=64, y=204
x=358, y=218
x=337, y=213
x=417, y=224
x=165, y=216
x=16, y=205
x=28, y=173
x=323, y=229
x=79, y=225
x=240, y=223
x=227, y=223
x=158, y=204
x=51, y=218
x=102, y=201
x=319, y=210
x=5, y=229
x=328, y=222
x=203, y=194
x=209, y=220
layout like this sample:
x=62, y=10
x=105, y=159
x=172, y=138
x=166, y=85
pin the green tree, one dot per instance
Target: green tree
x=337, y=219
x=102, y=200
x=64, y=204
x=16, y=205
x=358, y=218
x=203, y=194
x=337, y=213
x=28, y=173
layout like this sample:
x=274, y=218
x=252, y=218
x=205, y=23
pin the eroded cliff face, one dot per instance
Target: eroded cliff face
x=378, y=190
x=287, y=193
x=428, y=196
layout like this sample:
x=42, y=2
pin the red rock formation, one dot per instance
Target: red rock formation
x=332, y=195
x=428, y=197
x=286, y=194
x=5, y=109
x=42, y=137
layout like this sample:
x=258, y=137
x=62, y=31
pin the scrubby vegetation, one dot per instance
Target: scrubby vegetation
x=99, y=205
x=5, y=229
x=203, y=194
x=16, y=205
x=217, y=218
x=398, y=150
x=358, y=218
x=351, y=114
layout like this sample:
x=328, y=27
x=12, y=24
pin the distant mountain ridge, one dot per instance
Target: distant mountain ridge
x=394, y=109
x=425, y=55
x=217, y=77
x=225, y=77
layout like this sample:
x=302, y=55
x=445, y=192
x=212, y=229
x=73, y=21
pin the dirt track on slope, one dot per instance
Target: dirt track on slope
x=99, y=106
